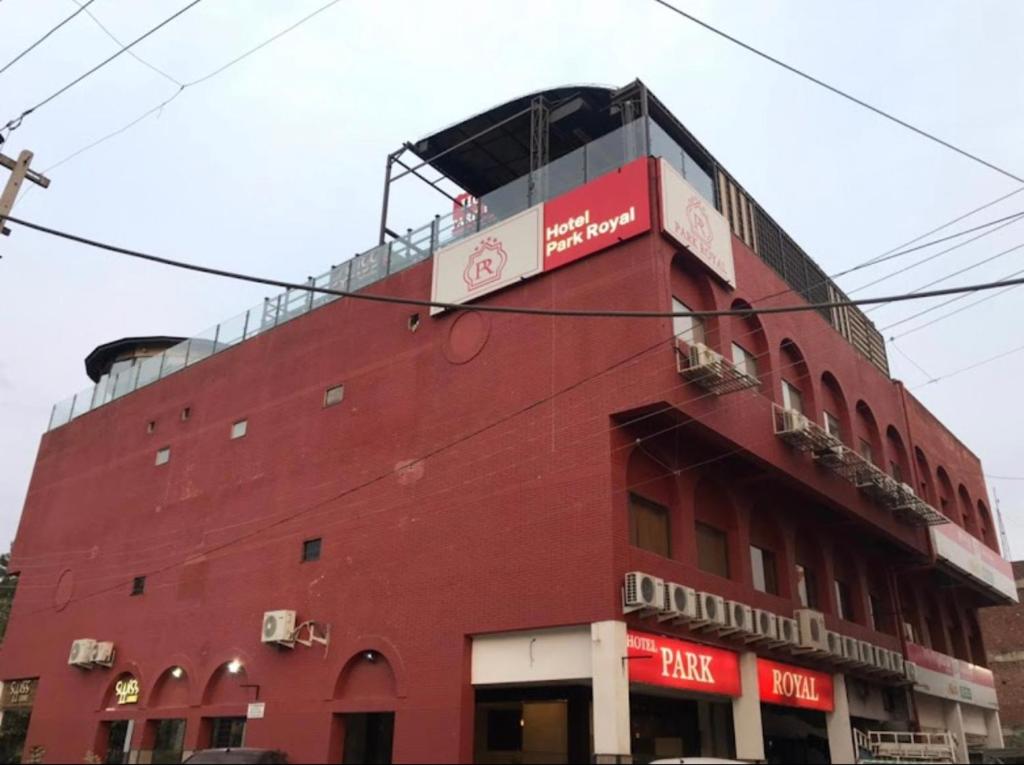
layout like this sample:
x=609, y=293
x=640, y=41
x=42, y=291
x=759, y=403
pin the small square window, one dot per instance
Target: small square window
x=151, y=426
x=138, y=585
x=240, y=428
x=186, y=413
x=163, y=456
x=334, y=395
x=311, y=550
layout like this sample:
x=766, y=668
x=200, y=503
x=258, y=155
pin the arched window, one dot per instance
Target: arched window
x=810, y=571
x=750, y=350
x=768, y=564
x=967, y=510
x=715, y=528
x=835, y=412
x=867, y=440
x=986, y=532
x=797, y=391
x=847, y=588
x=899, y=462
x=692, y=291
x=926, y=489
x=947, y=502
x=651, y=497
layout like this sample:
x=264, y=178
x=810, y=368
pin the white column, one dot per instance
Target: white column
x=610, y=691
x=837, y=722
x=955, y=725
x=746, y=712
x=994, y=729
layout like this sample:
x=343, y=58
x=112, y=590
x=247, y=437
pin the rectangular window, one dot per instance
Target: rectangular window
x=239, y=429
x=792, y=399
x=806, y=586
x=186, y=413
x=878, y=620
x=649, y=526
x=311, y=549
x=687, y=328
x=163, y=456
x=762, y=563
x=844, y=601
x=865, y=451
x=712, y=550
x=832, y=426
x=138, y=585
x=227, y=732
x=744, y=360
x=334, y=395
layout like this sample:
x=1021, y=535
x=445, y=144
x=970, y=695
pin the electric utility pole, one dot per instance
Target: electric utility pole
x=20, y=171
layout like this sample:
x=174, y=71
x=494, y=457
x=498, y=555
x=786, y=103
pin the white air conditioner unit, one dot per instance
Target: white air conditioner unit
x=702, y=357
x=710, y=611
x=881, y=659
x=739, y=618
x=279, y=627
x=910, y=671
x=104, y=655
x=794, y=421
x=813, y=635
x=835, y=645
x=867, y=653
x=789, y=631
x=896, y=662
x=851, y=649
x=766, y=626
x=642, y=592
x=82, y=653
x=679, y=603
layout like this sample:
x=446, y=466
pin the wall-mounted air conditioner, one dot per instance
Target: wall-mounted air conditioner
x=896, y=662
x=851, y=650
x=279, y=627
x=789, y=632
x=679, y=603
x=766, y=626
x=83, y=652
x=836, y=649
x=104, y=654
x=642, y=592
x=710, y=611
x=739, y=618
x=812, y=630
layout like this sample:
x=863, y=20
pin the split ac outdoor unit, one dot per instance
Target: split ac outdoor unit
x=794, y=421
x=896, y=662
x=279, y=627
x=867, y=653
x=702, y=357
x=789, y=631
x=679, y=603
x=710, y=610
x=766, y=626
x=82, y=653
x=851, y=649
x=910, y=671
x=739, y=618
x=882, y=659
x=642, y=592
x=104, y=655
x=812, y=630
x=835, y=645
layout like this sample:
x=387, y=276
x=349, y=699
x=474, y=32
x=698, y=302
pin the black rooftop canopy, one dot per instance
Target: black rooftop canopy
x=102, y=358
x=493, y=148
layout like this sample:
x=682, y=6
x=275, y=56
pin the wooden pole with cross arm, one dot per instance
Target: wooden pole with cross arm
x=20, y=171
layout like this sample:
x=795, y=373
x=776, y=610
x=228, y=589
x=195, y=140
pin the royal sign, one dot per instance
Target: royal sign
x=491, y=259
x=671, y=663
x=789, y=686
x=611, y=209
x=692, y=222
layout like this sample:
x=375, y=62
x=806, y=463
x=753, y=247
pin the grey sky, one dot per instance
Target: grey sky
x=275, y=166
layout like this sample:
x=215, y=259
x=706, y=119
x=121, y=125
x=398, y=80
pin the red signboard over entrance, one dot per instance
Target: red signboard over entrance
x=791, y=686
x=671, y=663
x=608, y=210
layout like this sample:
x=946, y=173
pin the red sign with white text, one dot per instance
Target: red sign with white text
x=608, y=210
x=790, y=686
x=671, y=663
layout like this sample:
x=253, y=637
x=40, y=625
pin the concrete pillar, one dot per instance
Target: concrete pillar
x=994, y=729
x=610, y=692
x=837, y=723
x=955, y=725
x=746, y=712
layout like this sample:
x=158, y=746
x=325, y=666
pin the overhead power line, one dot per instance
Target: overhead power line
x=842, y=93
x=42, y=39
x=944, y=316
x=15, y=122
x=971, y=367
x=524, y=310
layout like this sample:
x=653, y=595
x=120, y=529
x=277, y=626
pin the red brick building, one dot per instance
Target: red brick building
x=508, y=537
x=1003, y=631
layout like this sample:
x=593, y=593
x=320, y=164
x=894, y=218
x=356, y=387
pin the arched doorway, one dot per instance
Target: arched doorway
x=366, y=692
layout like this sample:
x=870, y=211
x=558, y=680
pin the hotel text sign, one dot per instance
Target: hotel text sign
x=672, y=663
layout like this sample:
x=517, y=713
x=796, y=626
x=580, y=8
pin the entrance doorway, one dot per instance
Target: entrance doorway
x=227, y=732
x=117, y=734
x=368, y=737
x=532, y=725
x=168, y=741
x=664, y=727
x=13, y=730
x=794, y=735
